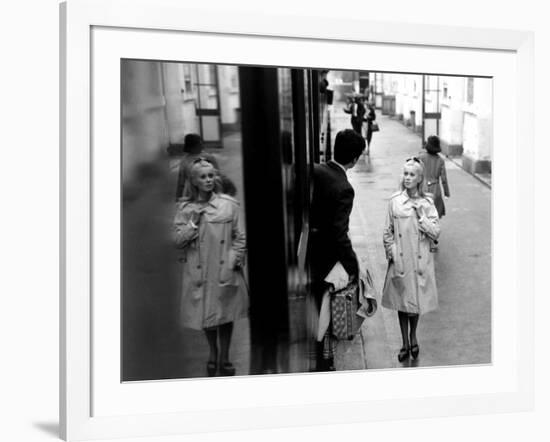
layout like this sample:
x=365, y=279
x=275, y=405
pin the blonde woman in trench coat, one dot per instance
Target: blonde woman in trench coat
x=213, y=294
x=411, y=224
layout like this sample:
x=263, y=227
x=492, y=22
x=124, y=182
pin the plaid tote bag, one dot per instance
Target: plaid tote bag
x=344, y=304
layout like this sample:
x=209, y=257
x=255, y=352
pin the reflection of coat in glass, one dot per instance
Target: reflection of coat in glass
x=434, y=172
x=410, y=280
x=213, y=291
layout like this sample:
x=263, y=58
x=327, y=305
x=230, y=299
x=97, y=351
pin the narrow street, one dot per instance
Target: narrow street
x=459, y=333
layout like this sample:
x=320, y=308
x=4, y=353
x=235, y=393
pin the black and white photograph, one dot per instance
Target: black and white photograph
x=279, y=220
x=274, y=221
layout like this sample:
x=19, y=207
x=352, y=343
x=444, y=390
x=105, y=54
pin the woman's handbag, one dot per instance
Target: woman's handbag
x=344, y=304
x=374, y=127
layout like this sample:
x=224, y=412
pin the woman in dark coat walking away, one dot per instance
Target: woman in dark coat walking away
x=434, y=168
x=371, y=116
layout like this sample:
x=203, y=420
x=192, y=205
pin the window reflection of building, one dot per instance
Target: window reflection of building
x=159, y=103
x=229, y=97
x=144, y=125
x=162, y=102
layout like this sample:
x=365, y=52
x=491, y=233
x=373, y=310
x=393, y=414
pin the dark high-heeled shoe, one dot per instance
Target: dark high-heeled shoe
x=211, y=368
x=415, y=349
x=403, y=354
x=227, y=369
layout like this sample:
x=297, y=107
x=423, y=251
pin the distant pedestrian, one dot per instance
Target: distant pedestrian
x=411, y=224
x=193, y=148
x=356, y=109
x=435, y=173
x=435, y=176
x=370, y=118
x=213, y=294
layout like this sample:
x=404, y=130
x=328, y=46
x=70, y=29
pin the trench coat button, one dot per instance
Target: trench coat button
x=401, y=254
x=222, y=241
x=199, y=283
x=222, y=261
x=199, y=266
x=419, y=257
x=400, y=235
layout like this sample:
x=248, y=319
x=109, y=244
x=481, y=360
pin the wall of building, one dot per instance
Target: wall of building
x=145, y=130
x=452, y=115
x=465, y=104
x=408, y=97
x=467, y=121
x=478, y=136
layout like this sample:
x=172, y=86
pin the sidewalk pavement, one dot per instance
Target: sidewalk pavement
x=460, y=331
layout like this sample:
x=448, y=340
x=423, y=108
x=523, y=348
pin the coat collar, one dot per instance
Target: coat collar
x=337, y=166
x=405, y=196
x=214, y=201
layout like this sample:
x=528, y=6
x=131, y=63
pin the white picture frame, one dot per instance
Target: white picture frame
x=80, y=377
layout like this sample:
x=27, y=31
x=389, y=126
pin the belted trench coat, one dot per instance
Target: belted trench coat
x=410, y=279
x=213, y=290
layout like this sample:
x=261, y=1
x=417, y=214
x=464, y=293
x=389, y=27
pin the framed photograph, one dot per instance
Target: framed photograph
x=285, y=222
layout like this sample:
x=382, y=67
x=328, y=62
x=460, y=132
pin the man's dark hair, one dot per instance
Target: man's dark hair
x=192, y=143
x=348, y=146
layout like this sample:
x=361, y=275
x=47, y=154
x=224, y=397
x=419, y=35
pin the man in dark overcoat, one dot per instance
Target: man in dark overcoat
x=329, y=224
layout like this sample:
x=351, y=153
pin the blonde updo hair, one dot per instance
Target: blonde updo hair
x=190, y=189
x=418, y=166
